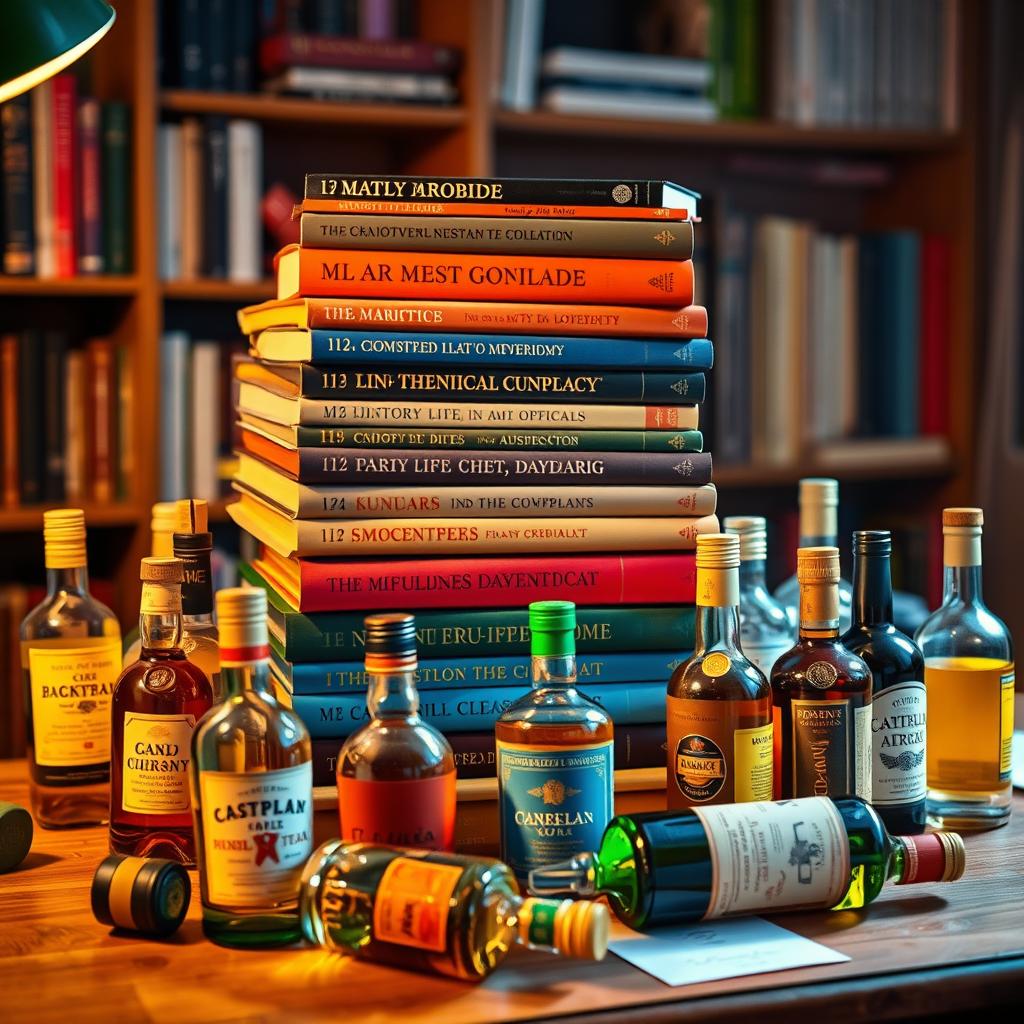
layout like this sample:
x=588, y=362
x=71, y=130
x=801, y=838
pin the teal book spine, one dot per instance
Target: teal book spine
x=116, y=188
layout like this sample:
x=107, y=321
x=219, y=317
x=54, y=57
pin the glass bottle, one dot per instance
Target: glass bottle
x=719, y=704
x=193, y=544
x=898, y=701
x=765, y=629
x=396, y=774
x=252, y=790
x=163, y=519
x=819, y=501
x=70, y=657
x=812, y=853
x=822, y=695
x=157, y=704
x=439, y=912
x=969, y=677
x=555, y=753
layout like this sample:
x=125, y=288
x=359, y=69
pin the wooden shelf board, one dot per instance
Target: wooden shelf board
x=206, y=290
x=30, y=518
x=723, y=133
x=382, y=116
x=100, y=284
x=753, y=475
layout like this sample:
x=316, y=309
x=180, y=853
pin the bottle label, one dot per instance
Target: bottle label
x=257, y=834
x=718, y=588
x=831, y=748
x=414, y=812
x=71, y=689
x=413, y=901
x=898, y=745
x=711, y=758
x=154, y=771
x=767, y=857
x=1006, y=685
x=554, y=801
x=764, y=656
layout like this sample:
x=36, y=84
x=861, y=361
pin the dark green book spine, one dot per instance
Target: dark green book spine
x=116, y=190
x=506, y=440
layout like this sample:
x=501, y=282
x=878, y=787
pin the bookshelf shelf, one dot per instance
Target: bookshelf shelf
x=30, y=518
x=385, y=116
x=109, y=285
x=201, y=290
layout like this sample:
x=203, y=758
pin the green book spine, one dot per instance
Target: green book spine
x=746, y=59
x=117, y=234
x=507, y=440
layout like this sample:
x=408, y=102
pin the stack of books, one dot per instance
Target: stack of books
x=471, y=394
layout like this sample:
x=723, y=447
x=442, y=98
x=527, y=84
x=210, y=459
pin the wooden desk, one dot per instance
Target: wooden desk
x=916, y=951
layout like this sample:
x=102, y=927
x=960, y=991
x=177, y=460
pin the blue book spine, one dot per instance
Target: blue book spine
x=906, y=268
x=335, y=716
x=449, y=673
x=331, y=348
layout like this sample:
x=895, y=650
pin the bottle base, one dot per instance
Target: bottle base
x=267, y=930
x=969, y=812
x=57, y=807
x=177, y=845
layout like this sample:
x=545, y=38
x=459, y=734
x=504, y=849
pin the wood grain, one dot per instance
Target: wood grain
x=915, y=951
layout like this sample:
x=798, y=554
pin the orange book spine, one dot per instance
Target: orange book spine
x=396, y=209
x=476, y=276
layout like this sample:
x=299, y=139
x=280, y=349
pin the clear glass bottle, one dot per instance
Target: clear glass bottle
x=396, y=774
x=163, y=519
x=719, y=704
x=438, y=912
x=157, y=704
x=765, y=628
x=70, y=658
x=555, y=753
x=812, y=853
x=969, y=678
x=252, y=790
x=819, y=501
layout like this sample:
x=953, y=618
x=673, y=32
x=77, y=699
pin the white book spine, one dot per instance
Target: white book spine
x=245, y=189
x=42, y=179
x=205, y=418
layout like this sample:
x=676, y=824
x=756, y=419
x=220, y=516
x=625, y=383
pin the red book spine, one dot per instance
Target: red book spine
x=64, y=175
x=497, y=582
x=935, y=285
x=296, y=50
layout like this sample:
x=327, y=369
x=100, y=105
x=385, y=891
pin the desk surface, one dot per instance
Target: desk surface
x=919, y=950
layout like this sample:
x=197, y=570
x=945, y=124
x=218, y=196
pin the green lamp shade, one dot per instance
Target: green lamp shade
x=38, y=38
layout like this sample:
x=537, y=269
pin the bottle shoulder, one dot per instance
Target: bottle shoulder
x=397, y=744
x=731, y=677
x=256, y=716
x=964, y=629
x=847, y=671
x=887, y=652
x=166, y=678
x=66, y=614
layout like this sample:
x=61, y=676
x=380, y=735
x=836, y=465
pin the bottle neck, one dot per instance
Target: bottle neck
x=67, y=581
x=872, y=590
x=239, y=677
x=553, y=670
x=393, y=694
x=160, y=617
x=817, y=540
x=962, y=583
x=197, y=588
x=752, y=575
x=718, y=619
x=819, y=611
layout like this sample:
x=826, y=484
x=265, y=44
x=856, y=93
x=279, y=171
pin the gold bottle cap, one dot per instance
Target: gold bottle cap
x=819, y=500
x=242, y=622
x=963, y=517
x=192, y=516
x=162, y=570
x=577, y=928
x=817, y=565
x=718, y=551
x=753, y=534
x=64, y=538
x=164, y=516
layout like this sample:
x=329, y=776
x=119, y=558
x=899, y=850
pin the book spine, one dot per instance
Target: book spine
x=215, y=199
x=116, y=191
x=518, y=210
x=125, y=419
x=65, y=175
x=331, y=348
x=644, y=387
x=42, y=178
x=522, y=236
x=497, y=582
x=242, y=44
x=550, y=191
x=935, y=292
x=503, y=468
x=204, y=402
x=90, y=206
x=31, y=449
x=190, y=225
x=277, y=53
x=193, y=59
x=325, y=272
x=471, y=710
x=11, y=431
x=54, y=382
x=18, y=202
x=174, y=372
x=499, y=317
x=217, y=30
x=170, y=212
x=450, y=673
x=102, y=399
x=497, y=440
x=377, y=19
x=244, y=225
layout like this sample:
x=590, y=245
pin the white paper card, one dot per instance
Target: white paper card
x=711, y=950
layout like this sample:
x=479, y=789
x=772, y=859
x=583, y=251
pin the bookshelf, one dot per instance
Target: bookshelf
x=933, y=183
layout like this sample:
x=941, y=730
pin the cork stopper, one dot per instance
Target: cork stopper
x=390, y=643
x=963, y=517
x=718, y=551
x=819, y=500
x=192, y=516
x=242, y=622
x=576, y=928
x=162, y=570
x=817, y=565
x=164, y=518
x=753, y=534
x=935, y=857
x=64, y=538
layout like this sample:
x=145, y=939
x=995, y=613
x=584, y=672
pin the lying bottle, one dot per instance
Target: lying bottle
x=438, y=912
x=754, y=858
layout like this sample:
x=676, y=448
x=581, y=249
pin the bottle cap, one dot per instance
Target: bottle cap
x=141, y=894
x=191, y=516
x=817, y=565
x=576, y=928
x=162, y=570
x=819, y=500
x=390, y=642
x=963, y=517
x=718, y=551
x=242, y=624
x=819, y=490
x=935, y=857
x=64, y=538
x=15, y=835
x=552, y=628
x=753, y=534
x=164, y=518
x=872, y=542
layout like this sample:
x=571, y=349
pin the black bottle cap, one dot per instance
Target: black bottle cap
x=872, y=542
x=392, y=633
x=15, y=835
x=147, y=895
x=191, y=543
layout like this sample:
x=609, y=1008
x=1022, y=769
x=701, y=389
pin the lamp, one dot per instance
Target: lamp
x=38, y=38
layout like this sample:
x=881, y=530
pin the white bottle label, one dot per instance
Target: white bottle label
x=898, y=719
x=764, y=656
x=767, y=857
x=154, y=770
x=257, y=834
x=862, y=752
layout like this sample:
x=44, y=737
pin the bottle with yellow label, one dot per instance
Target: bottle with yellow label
x=968, y=676
x=719, y=704
x=70, y=658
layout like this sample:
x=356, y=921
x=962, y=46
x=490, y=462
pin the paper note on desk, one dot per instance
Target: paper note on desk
x=711, y=950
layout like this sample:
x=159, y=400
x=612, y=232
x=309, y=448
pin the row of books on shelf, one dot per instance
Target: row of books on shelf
x=346, y=49
x=66, y=419
x=829, y=338
x=66, y=183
